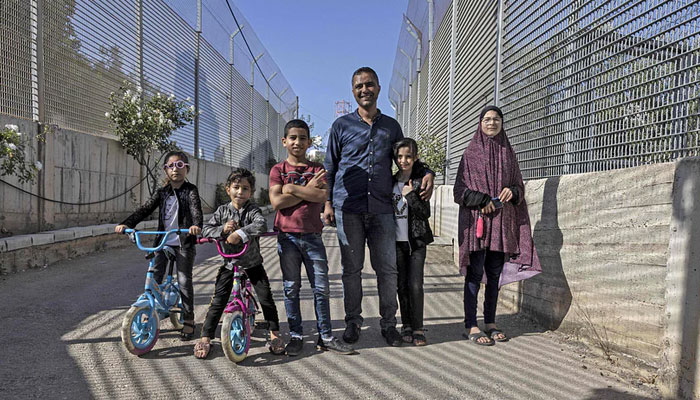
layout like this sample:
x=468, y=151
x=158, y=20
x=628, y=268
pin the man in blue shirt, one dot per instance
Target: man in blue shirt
x=358, y=164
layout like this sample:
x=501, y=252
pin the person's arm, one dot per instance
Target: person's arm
x=256, y=227
x=279, y=200
x=463, y=195
x=214, y=227
x=331, y=165
x=196, y=212
x=418, y=207
x=144, y=211
x=311, y=191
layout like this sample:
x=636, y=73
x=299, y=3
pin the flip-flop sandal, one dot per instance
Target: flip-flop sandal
x=407, y=335
x=419, y=339
x=474, y=337
x=189, y=335
x=202, y=347
x=495, y=331
x=277, y=346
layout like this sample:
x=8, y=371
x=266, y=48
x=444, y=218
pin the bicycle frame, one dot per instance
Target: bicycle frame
x=238, y=297
x=154, y=293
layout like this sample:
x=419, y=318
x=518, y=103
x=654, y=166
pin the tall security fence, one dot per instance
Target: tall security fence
x=59, y=61
x=585, y=85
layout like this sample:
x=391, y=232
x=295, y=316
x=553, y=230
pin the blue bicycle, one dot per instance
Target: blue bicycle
x=140, y=327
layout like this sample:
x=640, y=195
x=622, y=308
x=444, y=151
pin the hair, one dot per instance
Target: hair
x=490, y=108
x=365, y=70
x=241, y=173
x=296, y=123
x=406, y=142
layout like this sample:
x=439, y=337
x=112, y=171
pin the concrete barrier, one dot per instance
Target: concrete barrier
x=81, y=168
x=620, y=265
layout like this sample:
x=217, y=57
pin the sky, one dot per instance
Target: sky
x=319, y=43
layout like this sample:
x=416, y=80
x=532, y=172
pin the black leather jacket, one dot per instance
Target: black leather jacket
x=419, y=232
x=189, y=211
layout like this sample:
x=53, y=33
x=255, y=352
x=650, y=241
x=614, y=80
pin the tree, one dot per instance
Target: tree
x=144, y=125
x=13, y=157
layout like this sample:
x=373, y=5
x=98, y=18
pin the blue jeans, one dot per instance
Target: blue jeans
x=293, y=249
x=379, y=232
x=482, y=261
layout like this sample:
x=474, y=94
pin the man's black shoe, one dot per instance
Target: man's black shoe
x=392, y=336
x=334, y=345
x=352, y=333
x=294, y=346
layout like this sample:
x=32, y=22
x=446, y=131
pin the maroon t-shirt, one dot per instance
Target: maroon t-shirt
x=304, y=217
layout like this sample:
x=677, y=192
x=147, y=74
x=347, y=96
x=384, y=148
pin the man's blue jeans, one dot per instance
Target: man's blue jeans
x=295, y=249
x=379, y=232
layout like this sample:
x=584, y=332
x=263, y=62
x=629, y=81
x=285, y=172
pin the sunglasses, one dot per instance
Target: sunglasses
x=179, y=164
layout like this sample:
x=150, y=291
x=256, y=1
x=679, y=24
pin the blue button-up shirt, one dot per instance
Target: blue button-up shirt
x=358, y=163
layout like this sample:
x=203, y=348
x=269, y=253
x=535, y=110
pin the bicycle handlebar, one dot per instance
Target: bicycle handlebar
x=221, y=240
x=166, y=236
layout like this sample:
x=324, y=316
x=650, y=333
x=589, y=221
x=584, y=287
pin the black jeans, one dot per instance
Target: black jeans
x=222, y=292
x=184, y=260
x=410, y=266
x=480, y=261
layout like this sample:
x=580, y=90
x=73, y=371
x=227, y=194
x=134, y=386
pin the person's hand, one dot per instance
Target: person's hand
x=195, y=230
x=120, y=228
x=426, y=187
x=489, y=208
x=506, y=195
x=229, y=227
x=319, y=180
x=233, y=238
x=329, y=214
x=408, y=187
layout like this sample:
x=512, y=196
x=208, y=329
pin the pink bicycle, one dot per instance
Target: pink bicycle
x=239, y=315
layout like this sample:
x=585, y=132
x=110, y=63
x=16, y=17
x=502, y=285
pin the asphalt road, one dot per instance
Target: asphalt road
x=59, y=338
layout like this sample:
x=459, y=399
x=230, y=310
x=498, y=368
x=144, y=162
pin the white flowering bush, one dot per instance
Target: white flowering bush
x=144, y=124
x=13, y=158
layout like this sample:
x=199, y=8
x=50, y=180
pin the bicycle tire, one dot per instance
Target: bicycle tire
x=235, y=336
x=139, y=332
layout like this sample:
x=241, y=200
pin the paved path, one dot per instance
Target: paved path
x=59, y=338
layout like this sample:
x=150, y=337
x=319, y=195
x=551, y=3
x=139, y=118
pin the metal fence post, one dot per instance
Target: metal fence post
x=430, y=64
x=230, y=96
x=499, y=44
x=39, y=102
x=451, y=88
x=252, y=103
x=198, y=34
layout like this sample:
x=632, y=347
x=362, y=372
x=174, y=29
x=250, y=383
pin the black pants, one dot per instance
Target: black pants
x=184, y=260
x=492, y=263
x=222, y=292
x=410, y=266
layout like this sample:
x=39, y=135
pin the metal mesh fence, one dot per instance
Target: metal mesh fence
x=80, y=51
x=585, y=85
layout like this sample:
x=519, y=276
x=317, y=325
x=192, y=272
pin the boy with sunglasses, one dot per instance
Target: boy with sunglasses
x=179, y=207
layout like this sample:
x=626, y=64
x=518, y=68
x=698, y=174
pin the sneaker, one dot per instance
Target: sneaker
x=352, y=333
x=392, y=336
x=294, y=346
x=334, y=345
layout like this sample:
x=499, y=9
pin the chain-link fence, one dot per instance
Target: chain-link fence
x=585, y=85
x=60, y=60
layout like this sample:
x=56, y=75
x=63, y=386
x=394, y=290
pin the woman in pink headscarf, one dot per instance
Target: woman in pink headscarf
x=495, y=239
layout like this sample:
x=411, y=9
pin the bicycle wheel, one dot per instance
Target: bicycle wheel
x=235, y=336
x=140, y=330
x=176, y=317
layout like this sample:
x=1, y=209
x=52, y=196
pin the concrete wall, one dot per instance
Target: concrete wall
x=82, y=168
x=609, y=277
